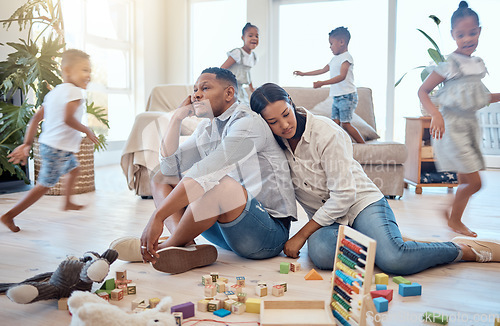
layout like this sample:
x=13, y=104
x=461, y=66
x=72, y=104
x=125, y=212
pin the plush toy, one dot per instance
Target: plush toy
x=71, y=275
x=88, y=309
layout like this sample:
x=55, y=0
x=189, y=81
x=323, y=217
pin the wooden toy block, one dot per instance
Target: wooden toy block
x=381, y=304
x=240, y=280
x=410, y=290
x=238, y=308
x=221, y=297
x=186, y=308
x=213, y=305
x=278, y=291
x=381, y=287
x=202, y=305
x=284, y=268
x=116, y=294
x=223, y=279
x=233, y=297
x=206, y=280
x=228, y=304
x=296, y=313
x=210, y=290
x=222, y=313
x=284, y=285
x=153, y=302
x=121, y=275
x=120, y=282
x=103, y=295
x=214, y=276
x=135, y=303
x=122, y=287
x=261, y=291
x=253, y=305
x=109, y=284
x=228, y=293
x=131, y=288
x=138, y=310
x=400, y=279
x=143, y=305
x=313, y=275
x=242, y=297
x=261, y=283
x=382, y=278
x=387, y=294
x=221, y=286
x=62, y=304
x=294, y=267
x=497, y=321
x=437, y=318
x=236, y=288
x=178, y=318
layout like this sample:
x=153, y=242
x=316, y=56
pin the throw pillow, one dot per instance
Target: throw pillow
x=324, y=108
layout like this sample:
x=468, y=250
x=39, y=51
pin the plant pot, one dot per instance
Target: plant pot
x=85, y=181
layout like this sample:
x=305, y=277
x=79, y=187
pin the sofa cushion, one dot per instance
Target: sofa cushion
x=324, y=108
x=378, y=153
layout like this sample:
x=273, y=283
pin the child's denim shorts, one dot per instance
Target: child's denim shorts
x=55, y=163
x=343, y=106
x=254, y=234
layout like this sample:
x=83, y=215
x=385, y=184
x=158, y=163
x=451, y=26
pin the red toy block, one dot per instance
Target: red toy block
x=387, y=294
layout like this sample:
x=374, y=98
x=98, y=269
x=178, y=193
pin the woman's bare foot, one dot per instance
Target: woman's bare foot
x=73, y=207
x=9, y=222
x=458, y=227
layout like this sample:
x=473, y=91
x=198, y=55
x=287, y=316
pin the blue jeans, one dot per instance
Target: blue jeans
x=394, y=256
x=55, y=164
x=254, y=234
x=343, y=106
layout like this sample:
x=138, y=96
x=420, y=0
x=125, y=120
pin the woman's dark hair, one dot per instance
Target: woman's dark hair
x=462, y=12
x=246, y=27
x=270, y=93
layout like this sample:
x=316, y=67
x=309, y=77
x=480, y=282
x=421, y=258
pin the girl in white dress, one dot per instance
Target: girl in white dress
x=454, y=126
x=241, y=60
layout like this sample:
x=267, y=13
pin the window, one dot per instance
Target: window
x=215, y=30
x=302, y=34
x=411, y=48
x=102, y=28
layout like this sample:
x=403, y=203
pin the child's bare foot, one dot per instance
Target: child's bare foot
x=9, y=222
x=458, y=227
x=73, y=207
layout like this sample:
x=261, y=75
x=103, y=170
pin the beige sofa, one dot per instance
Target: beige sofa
x=382, y=161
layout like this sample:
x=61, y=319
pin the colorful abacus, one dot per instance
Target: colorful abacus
x=352, y=277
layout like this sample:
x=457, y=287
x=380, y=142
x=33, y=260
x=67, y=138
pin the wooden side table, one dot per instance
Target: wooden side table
x=420, y=157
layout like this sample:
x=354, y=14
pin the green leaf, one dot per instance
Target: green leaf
x=401, y=79
x=99, y=113
x=102, y=145
x=435, y=55
x=5, y=165
x=432, y=42
x=436, y=20
x=424, y=74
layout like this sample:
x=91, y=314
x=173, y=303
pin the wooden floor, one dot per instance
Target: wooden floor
x=468, y=292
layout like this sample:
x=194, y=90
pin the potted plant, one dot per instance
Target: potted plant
x=32, y=70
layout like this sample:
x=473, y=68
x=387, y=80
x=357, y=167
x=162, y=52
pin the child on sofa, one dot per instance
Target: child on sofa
x=241, y=60
x=61, y=111
x=342, y=88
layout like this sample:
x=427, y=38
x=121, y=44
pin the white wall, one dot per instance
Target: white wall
x=13, y=34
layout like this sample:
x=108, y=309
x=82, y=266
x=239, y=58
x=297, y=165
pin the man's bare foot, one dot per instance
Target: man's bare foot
x=73, y=207
x=9, y=222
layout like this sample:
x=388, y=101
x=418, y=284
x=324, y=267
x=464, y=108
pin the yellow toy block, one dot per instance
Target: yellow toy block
x=313, y=275
x=382, y=278
x=202, y=305
x=253, y=305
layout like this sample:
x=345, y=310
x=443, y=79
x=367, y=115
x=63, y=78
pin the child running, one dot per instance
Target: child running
x=454, y=126
x=241, y=60
x=62, y=110
x=342, y=88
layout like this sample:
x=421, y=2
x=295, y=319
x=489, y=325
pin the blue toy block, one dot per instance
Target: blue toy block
x=222, y=312
x=409, y=290
x=381, y=287
x=381, y=304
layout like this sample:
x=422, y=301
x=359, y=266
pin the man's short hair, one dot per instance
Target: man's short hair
x=72, y=56
x=223, y=74
x=341, y=33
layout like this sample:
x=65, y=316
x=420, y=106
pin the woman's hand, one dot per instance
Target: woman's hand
x=293, y=246
x=149, y=240
x=436, y=128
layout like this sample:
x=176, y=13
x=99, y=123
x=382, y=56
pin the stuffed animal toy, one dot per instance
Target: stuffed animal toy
x=71, y=275
x=88, y=309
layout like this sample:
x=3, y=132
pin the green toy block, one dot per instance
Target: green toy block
x=284, y=268
x=435, y=318
x=400, y=279
x=109, y=284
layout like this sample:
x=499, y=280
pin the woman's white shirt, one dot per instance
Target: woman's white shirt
x=330, y=185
